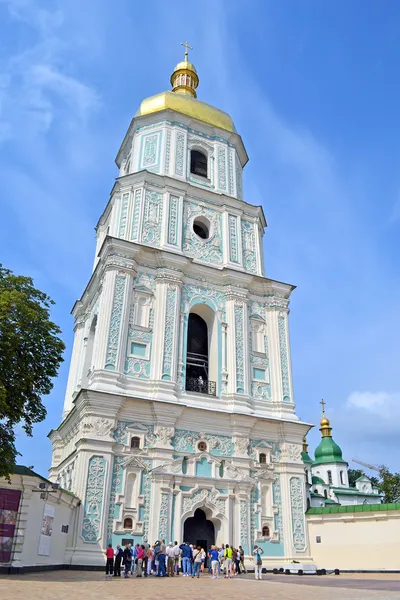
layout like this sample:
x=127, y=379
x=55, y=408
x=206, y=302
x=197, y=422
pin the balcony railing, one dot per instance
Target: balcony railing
x=201, y=386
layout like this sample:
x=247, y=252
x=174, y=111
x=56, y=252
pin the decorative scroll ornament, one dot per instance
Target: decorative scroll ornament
x=297, y=508
x=208, y=496
x=164, y=436
x=241, y=445
x=164, y=517
x=291, y=453
x=115, y=322
x=91, y=525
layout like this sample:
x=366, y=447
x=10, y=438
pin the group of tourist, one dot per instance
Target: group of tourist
x=161, y=560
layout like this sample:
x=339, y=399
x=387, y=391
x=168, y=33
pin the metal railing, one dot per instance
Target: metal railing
x=201, y=386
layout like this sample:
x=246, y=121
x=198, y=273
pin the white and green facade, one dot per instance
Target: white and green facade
x=145, y=440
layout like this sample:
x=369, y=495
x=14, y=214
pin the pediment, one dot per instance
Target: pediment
x=255, y=317
x=143, y=290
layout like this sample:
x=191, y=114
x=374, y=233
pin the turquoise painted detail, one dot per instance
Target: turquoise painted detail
x=138, y=365
x=233, y=239
x=259, y=374
x=121, y=435
x=115, y=323
x=163, y=519
x=274, y=446
x=179, y=154
x=173, y=218
x=138, y=349
x=284, y=358
x=271, y=548
x=230, y=169
x=145, y=491
x=171, y=537
x=239, y=323
x=184, y=127
x=278, y=520
x=249, y=246
x=93, y=509
x=152, y=218
x=208, y=251
x=222, y=491
x=203, y=468
x=116, y=488
x=136, y=215
x=141, y=513
x=150, y=148
x=123, y=215
x=117, y=537
x=297, y=510
x=238, y=169
x=221, y=168
x=169, y=333
x=186, y=441
x=185, y=488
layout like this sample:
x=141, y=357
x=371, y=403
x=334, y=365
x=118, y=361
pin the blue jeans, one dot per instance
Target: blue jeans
x=127, y=570
x=186, y=565
x=196, y=569
x=161, y=566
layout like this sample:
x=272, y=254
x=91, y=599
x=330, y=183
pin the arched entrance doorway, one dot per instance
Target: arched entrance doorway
x=198, y=530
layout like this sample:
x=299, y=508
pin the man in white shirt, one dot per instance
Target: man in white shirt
x=170, y=560
x=177, y=553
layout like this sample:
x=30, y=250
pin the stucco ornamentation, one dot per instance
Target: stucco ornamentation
x=169, y=332
x=241, y=445
x=239, y=324
x=115, y=322
x=192, y=292
x=208, y=496
x=284, y=358
x=291, y=453
x=179, y=153
x=297, y=509
x=93, y=510
x=277, y=497
x=209, y=250
x=124, y=213
x=221, y=168
x=164, y=517
x=244, y=524
x=121, y=433
x=136, y=214
x=173, y=221
x=185, y=441
x=152, y=218
x=249, y=246
x=233, y=238
x=164, y=436
x=116, y=488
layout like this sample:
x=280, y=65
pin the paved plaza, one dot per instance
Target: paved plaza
x=68, y=585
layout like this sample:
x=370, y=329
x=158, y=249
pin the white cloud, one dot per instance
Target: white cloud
x=382, y=403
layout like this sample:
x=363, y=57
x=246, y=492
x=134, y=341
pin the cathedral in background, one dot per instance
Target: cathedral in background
x=179, y=418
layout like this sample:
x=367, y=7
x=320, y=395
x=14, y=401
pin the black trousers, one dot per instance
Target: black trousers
x=109, y=566
x=117, y=567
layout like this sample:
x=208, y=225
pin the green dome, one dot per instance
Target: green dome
x=306, y=457
x=328, y=452
x=317, y=480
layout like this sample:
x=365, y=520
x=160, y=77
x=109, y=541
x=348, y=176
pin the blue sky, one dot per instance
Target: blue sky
x=314, y=91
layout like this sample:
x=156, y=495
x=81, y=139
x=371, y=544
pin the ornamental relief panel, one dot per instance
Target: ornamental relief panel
x=206, y=250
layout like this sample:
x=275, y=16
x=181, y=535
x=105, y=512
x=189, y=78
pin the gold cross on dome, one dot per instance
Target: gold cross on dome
x=322, y=403
x=187, y=48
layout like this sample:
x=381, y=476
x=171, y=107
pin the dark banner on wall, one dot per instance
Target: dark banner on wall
x=9, y=504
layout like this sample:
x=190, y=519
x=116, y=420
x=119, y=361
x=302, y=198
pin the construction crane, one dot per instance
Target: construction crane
x=372, y=467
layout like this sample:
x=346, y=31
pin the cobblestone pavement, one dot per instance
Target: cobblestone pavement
x=71, y=585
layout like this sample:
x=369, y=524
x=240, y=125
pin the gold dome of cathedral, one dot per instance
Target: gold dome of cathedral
x=183, y=99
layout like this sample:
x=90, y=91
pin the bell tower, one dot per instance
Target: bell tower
x=180, y=391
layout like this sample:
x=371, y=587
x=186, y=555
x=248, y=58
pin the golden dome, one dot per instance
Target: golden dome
x=186, y=105
x=324, y=422
x=182, y=98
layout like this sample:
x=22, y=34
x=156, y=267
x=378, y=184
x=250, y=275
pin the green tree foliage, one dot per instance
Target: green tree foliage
x=354, y=474
x=389, y=484
x=30, y=355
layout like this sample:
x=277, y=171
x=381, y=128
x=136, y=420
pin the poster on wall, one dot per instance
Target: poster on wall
x=46, y=530
x=9, y=504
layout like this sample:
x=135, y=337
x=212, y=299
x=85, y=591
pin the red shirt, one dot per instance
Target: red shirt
x=110, y=553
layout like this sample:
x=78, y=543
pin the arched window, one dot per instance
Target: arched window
x=330, y=477
x=265, y=531
x=87, y=366
x=262, y=459
x=221, y=469
x=325, y=493
x=184, y=465
x=197, y=354
x=316, y=491
x=198, y=163
x=128, y=523
x=135, y=443
x=341, y=478
x=202, y=446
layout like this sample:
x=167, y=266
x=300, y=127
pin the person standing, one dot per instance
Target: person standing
x=150, y=559
x=109, y=561
x=242, y=567
x=203, y=560
x=196, y=562
x=170, y=560
x=177, y=553
x=146, y=546
x=119, y=553
x=228, y=555
x=186, y=558
x=213, y=556
x=127, y=561
x=160, y=554
x=257, y=552
x=237, y=561
x=139, y=558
